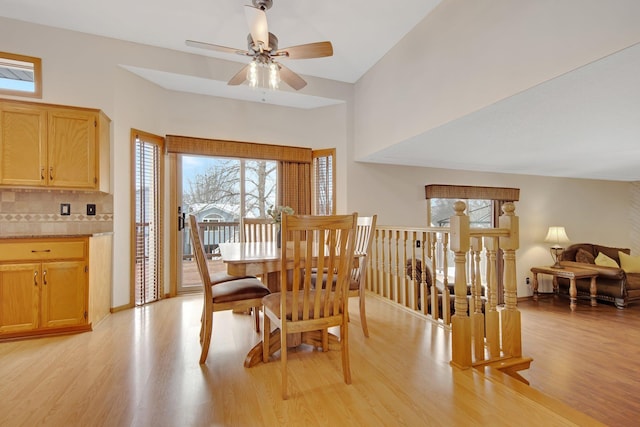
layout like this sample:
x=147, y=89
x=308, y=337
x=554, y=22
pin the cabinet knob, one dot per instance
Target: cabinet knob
x=44, y=277
x=35, y=278
x=42, y=173
x=51, y=173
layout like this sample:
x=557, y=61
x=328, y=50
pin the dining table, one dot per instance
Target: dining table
x=263, y=259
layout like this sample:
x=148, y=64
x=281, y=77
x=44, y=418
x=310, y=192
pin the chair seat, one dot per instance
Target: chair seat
x=221, y=276
x=354, y=284
x=238, y=290
x=272, y=302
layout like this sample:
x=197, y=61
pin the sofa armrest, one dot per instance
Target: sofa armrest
x=604, y=272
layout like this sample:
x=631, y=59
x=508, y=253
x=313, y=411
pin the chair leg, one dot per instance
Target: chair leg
x=207, y=324
x=283, y=363
x=344, y=347
x=256, y=315
x=266, y=335
x=363, y=315
x=202, y=324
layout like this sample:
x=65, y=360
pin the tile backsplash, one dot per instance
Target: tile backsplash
x=37, y=212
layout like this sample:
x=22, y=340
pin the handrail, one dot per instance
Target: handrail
x=459, y=290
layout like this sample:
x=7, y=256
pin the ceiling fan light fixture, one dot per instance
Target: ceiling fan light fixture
x=263, y=74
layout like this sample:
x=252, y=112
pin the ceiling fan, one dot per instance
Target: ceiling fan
x=263, y=48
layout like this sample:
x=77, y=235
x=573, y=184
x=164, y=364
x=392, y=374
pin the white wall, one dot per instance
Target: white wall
x=467, y=55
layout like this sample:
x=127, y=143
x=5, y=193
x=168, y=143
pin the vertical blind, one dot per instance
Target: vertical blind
x=147, y=222
x=323, y=198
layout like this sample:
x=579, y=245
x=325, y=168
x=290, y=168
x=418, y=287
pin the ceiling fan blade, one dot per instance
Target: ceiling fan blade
x=291, y=78
x=306, y=51
x=240, y=76
x=215, y=47
x=257, y=21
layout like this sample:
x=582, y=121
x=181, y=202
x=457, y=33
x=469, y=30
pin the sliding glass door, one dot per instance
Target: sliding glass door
x=219, y=192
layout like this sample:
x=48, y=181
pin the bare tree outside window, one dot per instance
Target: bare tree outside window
x=219, y=182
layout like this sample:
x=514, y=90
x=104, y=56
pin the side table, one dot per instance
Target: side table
x=570, y=273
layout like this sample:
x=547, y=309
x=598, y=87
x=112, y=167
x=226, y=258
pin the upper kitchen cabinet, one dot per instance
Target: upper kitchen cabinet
x=53, y=146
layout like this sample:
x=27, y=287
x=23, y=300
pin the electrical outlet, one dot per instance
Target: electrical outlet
x=417, y=243
x=528, y=281
x=91, y=209
x=65, y=209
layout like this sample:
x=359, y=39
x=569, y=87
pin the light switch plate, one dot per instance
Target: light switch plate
x=65, y=209
x=91, y=209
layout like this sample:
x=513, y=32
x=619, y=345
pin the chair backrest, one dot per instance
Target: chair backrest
x=302, y=236
x=199, y=254
x=364, y=239
x=258, y=230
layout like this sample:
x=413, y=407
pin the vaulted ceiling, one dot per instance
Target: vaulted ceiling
x=567, y=111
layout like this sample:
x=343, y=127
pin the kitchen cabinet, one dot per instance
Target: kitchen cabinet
x=45, y=284
x=52, y=146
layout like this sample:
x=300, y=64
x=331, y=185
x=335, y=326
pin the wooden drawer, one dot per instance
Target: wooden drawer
x=42, y=250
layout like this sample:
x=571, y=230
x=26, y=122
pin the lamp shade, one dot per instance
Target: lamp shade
x=557, y=236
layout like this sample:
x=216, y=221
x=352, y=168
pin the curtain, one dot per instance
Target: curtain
x=294, y=182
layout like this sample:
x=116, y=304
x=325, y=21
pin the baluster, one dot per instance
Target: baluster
x=415, y=293
x=377, y=262
x=460, y=321
x=491, y=312
x=477, y=318
x=446, y=294
x=387, y=265
x=434, y=286
x=424, y=288
x=511, y=322
x=396, y=279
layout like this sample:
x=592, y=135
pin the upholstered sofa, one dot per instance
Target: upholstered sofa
x=613, y=283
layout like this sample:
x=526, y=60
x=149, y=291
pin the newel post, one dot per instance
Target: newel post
x=460, y=321
x=511, y=324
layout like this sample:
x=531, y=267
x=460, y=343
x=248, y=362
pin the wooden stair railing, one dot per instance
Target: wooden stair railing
x=479, y=338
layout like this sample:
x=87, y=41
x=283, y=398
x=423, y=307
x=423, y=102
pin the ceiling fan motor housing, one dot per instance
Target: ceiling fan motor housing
x=262, y=4
x=255, y=50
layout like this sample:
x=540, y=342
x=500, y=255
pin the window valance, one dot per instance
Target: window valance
x=237, y=149
x=437, y=191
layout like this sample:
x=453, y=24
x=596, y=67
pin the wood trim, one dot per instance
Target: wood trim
x=46, y=332
x=173, y=225
x=161, y=145
x=122, y=308
x=238, y=149
x=438, y=191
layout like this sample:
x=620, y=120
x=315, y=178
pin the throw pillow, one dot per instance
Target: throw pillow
x=630, y=264
x=605, y=261
x=585, y=257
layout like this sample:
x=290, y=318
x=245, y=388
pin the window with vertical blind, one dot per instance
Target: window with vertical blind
x=147, y=217
x=323, y=185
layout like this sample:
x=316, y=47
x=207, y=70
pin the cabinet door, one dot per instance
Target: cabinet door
x=72, y=149
x=64, y=294
x=19, y=297
x=23, y=141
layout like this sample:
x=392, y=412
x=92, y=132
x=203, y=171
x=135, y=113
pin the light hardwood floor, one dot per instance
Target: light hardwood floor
x=140, y=367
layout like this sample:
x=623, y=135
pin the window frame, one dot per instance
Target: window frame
x=37, y=75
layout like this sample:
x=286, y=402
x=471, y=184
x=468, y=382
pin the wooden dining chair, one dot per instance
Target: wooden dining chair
x=258, y=230
x=364, y=239
x=302, y=308
x=222, y=291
